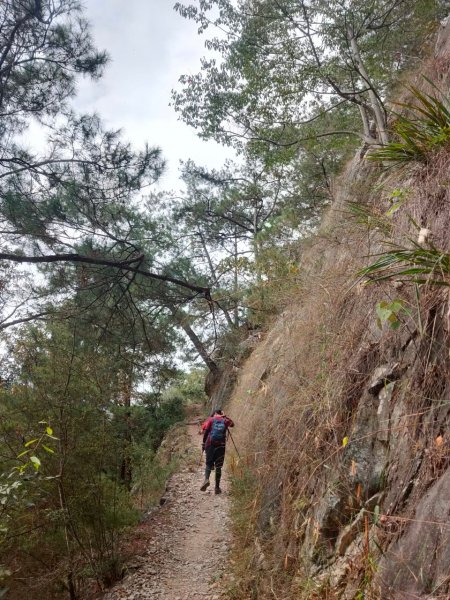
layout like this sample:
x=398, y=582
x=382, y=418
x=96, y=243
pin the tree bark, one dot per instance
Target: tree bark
x=125, y=265
x=375, y=101
x=256, y=253
x=235, y=282
x=365, y=122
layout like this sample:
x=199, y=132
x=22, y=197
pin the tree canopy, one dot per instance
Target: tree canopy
x=277, y=69
x=73, y=207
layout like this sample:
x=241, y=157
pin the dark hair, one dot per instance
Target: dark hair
x=218, y=411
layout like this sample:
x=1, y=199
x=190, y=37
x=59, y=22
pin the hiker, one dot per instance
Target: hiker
x=214, y=440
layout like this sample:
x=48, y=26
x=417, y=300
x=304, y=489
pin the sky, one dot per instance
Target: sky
x=150, y=46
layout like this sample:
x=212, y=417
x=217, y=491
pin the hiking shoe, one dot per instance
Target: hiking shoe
x=217, y=490
x=205, y=484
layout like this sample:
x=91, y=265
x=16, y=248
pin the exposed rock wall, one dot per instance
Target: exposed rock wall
x=344, y=422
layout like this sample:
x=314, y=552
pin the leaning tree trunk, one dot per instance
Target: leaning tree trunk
x=375, y=102
x=181, y=320
x=236, y=281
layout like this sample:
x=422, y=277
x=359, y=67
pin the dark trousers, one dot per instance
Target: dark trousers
x=215, y=455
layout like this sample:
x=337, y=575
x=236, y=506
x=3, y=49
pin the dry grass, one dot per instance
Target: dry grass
x=304, y=389
x=300, y=393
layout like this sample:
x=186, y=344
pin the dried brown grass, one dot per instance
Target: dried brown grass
x=299, y=392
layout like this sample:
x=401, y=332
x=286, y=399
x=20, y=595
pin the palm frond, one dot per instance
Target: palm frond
x=423, y=130
x=416, y=264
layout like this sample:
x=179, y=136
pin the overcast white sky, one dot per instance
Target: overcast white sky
x=150, y=47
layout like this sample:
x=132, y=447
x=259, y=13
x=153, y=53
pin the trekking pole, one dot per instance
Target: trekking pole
x=201, y=456
x=237, y=451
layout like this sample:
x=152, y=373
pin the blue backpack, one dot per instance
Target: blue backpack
x=218, y=431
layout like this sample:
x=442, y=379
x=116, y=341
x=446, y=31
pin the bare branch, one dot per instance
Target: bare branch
x=126, y=265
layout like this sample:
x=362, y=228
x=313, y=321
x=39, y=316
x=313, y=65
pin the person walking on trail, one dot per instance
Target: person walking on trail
x=214, y=441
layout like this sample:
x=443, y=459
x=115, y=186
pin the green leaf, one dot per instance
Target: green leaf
x=49, y=431
x=396, y=306
x=376, y=514
x=388, y=313
x=394, y=208
x=382, y=311
x=47, y=449
x=36, y=462
x=31, y=442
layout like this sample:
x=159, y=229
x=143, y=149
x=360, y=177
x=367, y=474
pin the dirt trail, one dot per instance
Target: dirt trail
x=189, y=539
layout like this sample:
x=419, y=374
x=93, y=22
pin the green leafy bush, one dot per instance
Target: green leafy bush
x=149, y=476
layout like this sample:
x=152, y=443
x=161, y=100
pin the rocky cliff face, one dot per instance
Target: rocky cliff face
x=342, y=421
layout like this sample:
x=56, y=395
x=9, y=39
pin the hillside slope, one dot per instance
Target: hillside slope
x=343, y=422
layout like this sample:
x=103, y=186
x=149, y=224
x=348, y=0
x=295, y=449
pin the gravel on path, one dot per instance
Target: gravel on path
x=188, y=547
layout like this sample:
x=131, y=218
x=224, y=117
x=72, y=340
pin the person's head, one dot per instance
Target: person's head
x=218, y=411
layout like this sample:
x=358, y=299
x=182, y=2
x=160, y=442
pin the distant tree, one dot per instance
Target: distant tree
x=229, y=208
x=228, y=220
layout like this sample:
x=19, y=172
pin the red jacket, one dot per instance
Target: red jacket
x=207, y=425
